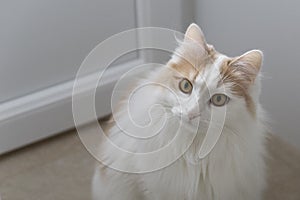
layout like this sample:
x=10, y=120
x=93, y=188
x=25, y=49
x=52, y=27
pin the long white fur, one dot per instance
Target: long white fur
x=234, y=169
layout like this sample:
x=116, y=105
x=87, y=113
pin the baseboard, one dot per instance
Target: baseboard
x=45, y=113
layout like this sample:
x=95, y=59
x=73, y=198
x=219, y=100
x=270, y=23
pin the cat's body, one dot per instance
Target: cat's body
x=233, y=169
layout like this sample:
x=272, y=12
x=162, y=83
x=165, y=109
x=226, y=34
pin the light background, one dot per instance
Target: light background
x=42, y=44
x=235, y=26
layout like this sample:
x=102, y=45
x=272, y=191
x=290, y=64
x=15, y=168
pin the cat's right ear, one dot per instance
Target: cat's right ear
x=194, y=33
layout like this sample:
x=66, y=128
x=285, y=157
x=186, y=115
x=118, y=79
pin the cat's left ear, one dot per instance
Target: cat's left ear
x=248, y=65
x=194, y=33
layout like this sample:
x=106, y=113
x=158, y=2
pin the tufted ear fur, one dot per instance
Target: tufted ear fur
x=247, y=66
x=195, y=34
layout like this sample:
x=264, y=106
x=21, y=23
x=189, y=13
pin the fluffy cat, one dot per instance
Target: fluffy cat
x=197, y=81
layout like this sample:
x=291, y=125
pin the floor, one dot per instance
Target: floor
x=60, y=168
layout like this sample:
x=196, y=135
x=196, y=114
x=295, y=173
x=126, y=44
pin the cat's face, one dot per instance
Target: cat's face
x=204, y=79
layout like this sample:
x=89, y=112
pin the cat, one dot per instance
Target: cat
x=197, y=81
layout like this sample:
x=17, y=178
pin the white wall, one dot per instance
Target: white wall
x=42, y=43
x=235, y=26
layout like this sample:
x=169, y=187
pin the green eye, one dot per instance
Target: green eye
x=219, y=99
x=185, y=86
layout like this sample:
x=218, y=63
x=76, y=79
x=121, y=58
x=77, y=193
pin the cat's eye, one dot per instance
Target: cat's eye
x=185, y=86
x=219, y=99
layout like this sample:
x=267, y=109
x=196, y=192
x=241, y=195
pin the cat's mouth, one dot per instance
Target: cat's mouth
x=192, y=116
x=191, y=119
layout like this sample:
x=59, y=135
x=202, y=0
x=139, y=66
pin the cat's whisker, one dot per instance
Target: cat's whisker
x=228, y=129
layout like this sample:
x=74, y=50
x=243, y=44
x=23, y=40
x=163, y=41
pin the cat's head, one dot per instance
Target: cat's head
x=204, y=79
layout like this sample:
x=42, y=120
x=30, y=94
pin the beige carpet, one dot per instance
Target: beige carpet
x=61, y=169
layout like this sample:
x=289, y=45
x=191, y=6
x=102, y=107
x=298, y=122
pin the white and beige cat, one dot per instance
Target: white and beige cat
x=200, y=80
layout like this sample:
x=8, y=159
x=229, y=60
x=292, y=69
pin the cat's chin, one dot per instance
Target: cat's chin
x=196, y=126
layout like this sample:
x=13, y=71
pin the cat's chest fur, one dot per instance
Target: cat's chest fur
x=177, y=181
x=230, y=172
